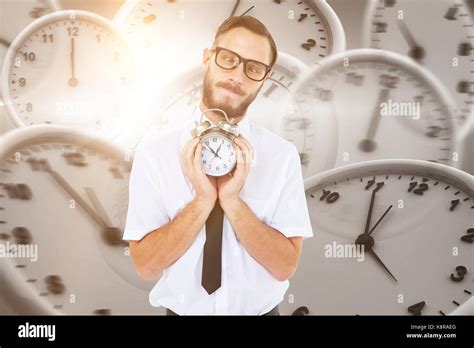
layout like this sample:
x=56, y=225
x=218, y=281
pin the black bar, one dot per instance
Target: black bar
x=136, y=330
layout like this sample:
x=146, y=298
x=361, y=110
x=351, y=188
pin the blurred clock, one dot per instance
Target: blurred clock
x=66, y=194
x=386, y=106
x=15, y=16
x=395, y=25
x=68, y=68
x=412, y=222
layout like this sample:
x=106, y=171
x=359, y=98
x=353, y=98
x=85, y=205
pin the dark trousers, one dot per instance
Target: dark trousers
x=274, y=311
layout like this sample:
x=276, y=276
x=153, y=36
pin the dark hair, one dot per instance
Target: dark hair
x=252, y=24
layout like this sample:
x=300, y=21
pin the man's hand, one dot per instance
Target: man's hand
x=229, y=186
x=204, y=185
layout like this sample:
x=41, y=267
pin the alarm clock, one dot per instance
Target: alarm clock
x=218, y=155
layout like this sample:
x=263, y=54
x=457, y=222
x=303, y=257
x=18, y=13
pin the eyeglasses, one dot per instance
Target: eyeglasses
x=229, y=60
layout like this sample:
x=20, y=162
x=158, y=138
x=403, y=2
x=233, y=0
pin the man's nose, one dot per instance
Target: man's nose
x=237, y=74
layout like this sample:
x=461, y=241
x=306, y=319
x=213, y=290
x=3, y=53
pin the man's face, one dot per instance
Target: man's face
x=231, y=90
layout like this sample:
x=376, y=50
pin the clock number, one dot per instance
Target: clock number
x=451, y=14
x=379, y=185
x=454, y=204
x=29, y=56
x=48, y=38
x=354, y=79
x=29, y=107
x=214, y=140
x=310, y=43
x=41, y=165
x=73, y=31
x=75, y=159
x=464, y=49
x=380, y=27
x=323, y=94
x=469, y=237
x=18, y=191
x=460, y=273
x=98, y=37
x=421, y=188
x=329, y=196
x=389, y=81
x=302, y=17
x=463, y=87
x=55, y=284
x=22, y=82
x=433, y=131
x=416, y=308
x=22, y=235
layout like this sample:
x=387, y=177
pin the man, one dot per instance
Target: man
x=174, y=206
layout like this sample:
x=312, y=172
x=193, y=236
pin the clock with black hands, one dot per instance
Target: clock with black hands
x=395, y=25
x=386, y=106
x=391, y=237
x=66, y=194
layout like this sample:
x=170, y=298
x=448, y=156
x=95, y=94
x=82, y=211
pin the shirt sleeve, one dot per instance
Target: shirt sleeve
x=145, y=208
x=291, y=216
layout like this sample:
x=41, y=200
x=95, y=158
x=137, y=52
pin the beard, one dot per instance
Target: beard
x=211, y=101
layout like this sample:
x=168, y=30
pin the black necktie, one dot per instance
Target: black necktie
x=211, y=263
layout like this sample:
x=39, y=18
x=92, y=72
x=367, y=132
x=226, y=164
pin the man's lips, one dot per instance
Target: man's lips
x=230, y=89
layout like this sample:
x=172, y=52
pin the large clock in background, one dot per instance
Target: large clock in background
x=68, y=68
x=438, y=35
x=16, y=15
x=386, y=106
x=67, y=193
x=414, y=219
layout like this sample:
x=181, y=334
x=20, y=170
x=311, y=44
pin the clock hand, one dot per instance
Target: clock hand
x=372, y=252
x=210, y=149
x=60, y=180
x=416, y=51
x=368, y=144
x=369, y=214
x=235, y=8
x=110, y=235
x=72, y=80
x=381, y=218
x=250, y=9
x=217, y=151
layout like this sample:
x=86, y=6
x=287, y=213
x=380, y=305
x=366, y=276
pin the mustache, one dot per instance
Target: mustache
x=231, y=87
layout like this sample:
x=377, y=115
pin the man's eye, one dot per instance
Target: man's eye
x=255, y=69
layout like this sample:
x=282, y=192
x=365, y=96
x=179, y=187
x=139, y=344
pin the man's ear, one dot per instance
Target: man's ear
x=206, y=55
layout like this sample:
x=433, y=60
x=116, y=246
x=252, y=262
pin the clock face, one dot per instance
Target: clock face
x=50, y=75
x=64, y=197
x=392, y=237
x=218, y=154
x=16, y=15
x=395, y=25
x=386, y=106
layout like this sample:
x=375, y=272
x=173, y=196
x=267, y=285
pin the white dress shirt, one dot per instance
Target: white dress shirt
x=273, y=190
